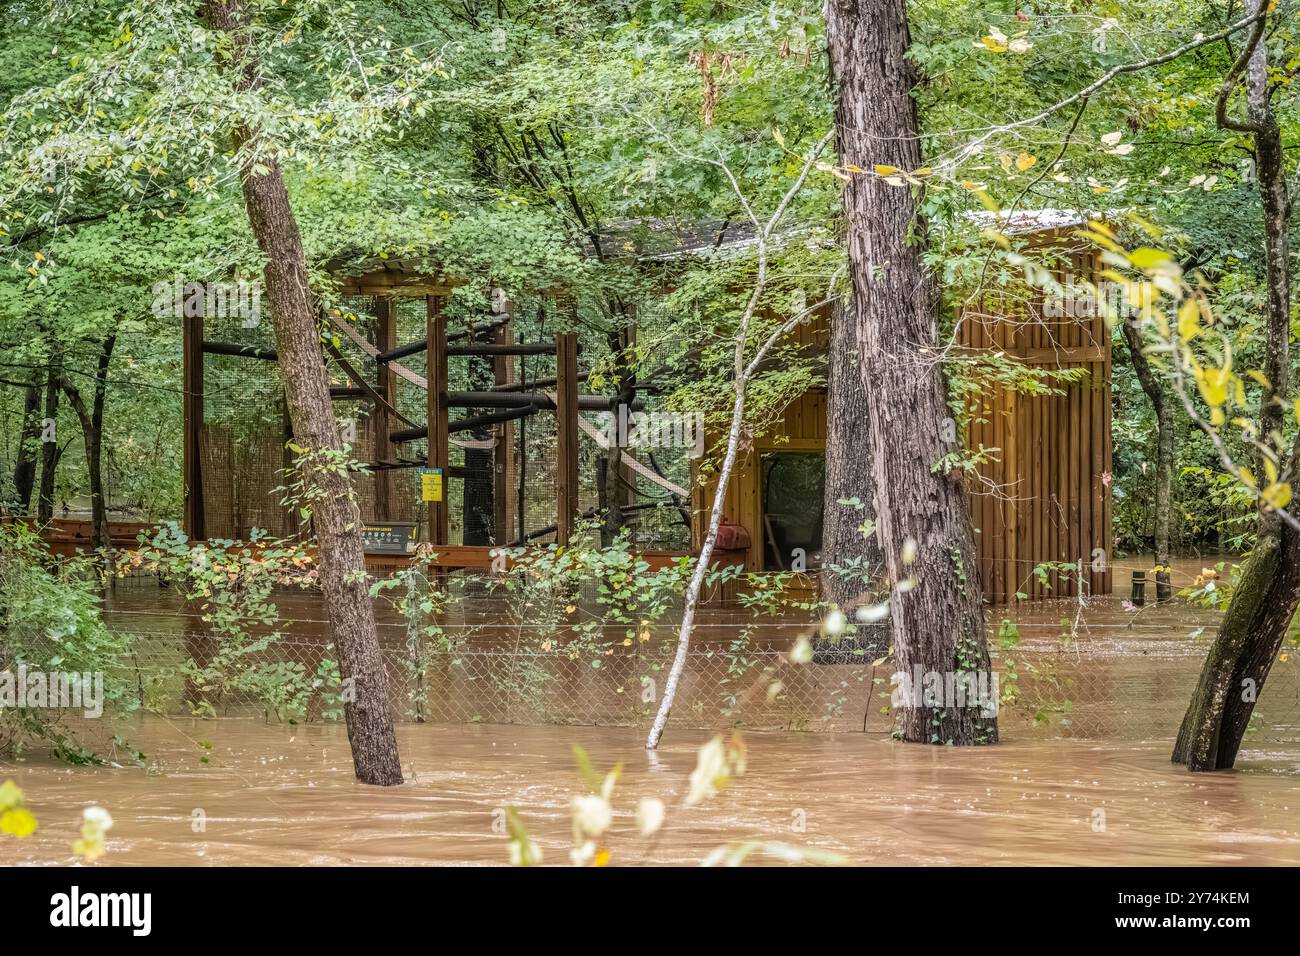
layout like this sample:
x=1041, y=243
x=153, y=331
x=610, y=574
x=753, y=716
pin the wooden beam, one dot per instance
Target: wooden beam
x=566, y=431
x=1065, y=354
x=386, y=386
x=386, y=283
x=192, y=425
x=436, y=423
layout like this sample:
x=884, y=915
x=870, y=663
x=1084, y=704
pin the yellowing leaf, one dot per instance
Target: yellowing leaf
x=1146, y=257
x=1189, y=320
x=882, y=170
x=1276, y=495
x=18, y=822
x=1024, y=161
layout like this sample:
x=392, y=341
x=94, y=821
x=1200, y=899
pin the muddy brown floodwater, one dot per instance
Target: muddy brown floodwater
x=272, y=794
x=1082, y=776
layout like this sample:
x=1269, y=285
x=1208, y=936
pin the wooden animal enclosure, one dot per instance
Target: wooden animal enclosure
x=1040, y=497
x=215, y=506
x=1042, y=501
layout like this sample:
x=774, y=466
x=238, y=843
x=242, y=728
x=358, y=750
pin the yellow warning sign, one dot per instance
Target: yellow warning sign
x=431, y=484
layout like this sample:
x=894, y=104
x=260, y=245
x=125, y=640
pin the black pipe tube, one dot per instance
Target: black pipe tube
x=242, y=351
x=496, y=348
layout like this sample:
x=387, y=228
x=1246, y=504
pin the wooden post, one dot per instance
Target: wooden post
x=385, y=384
x=192, y=425
x=436, y=330
x=566, y=431
x=503, y=453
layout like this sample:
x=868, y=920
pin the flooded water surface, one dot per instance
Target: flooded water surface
x=278, y=795
x=1082, y=775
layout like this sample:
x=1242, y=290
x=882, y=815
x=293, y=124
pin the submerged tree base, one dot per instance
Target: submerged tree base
x=1248, y=641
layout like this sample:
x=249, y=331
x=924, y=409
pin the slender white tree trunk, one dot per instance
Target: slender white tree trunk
x=701, y=569
x=743, y=373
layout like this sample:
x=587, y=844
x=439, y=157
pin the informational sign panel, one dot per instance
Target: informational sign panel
x=395, y=537
x=431, y=484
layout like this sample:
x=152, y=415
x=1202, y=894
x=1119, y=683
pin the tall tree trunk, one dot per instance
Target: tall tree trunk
x=848, y=469
x=921, y=514
x=50, y=451
x=1164, y=411
x=92, y=432
x=335, y=515
x=851, y=560
x=1271, y=168
x=29, y=441
x=1260, y=612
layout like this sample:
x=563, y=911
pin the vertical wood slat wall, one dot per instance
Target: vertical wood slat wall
x=1044, y=497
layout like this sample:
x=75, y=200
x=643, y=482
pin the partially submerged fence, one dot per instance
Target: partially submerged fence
x=1092, y=673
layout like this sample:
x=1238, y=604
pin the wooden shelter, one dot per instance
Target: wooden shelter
x=1041, y=499
x=390, y=432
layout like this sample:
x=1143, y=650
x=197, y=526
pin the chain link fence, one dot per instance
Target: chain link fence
x=1090, y=672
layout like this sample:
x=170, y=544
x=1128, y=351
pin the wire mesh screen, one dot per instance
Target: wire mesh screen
x=245, y=426
x=1083, y=677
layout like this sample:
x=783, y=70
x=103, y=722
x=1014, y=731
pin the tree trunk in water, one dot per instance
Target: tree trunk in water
x=1260, y=612
x=1248, y=641
x=50, y=451
x=335, y=515
x=1160, y=403
x=25, y=464
x=921, y=515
